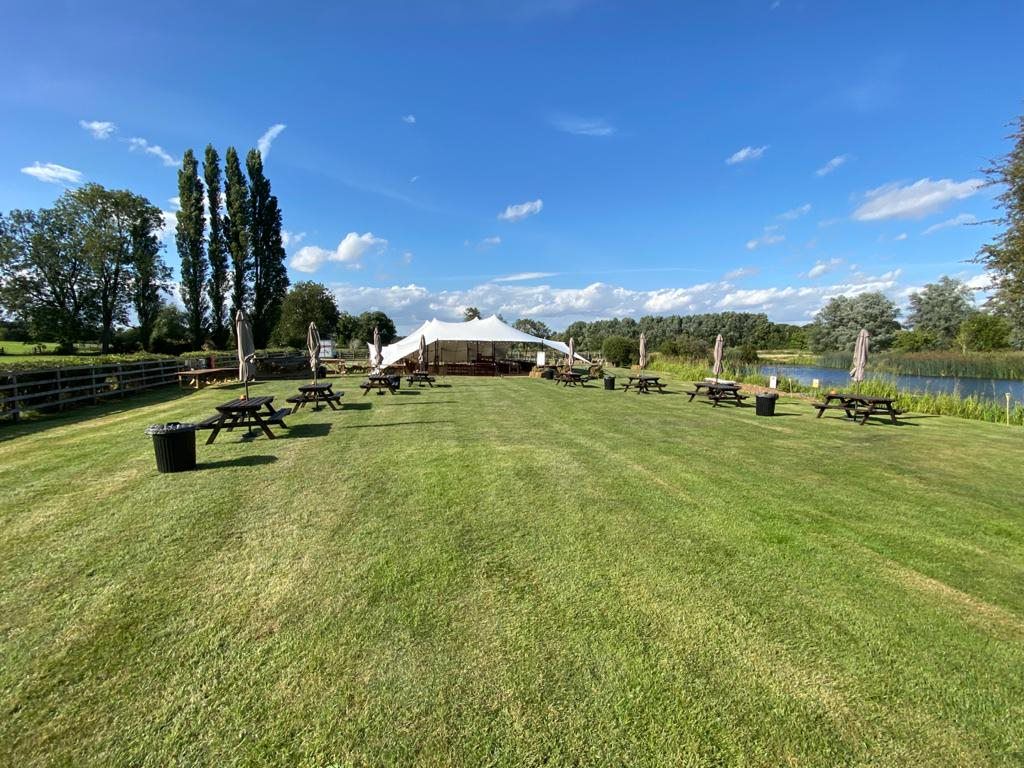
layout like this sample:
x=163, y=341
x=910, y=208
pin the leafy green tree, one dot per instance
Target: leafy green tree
x=170, y=331
x=914, y=341
x=216, y=251
x=1004, y=256
x=189, y=239
x=152, y=276
x=837, y=324
x=269, y=275
x=470, y=313
x=236, y=232
x=982, y=332
x=532, y=327
x=618, y=350
x=940, y=308
x=307, y=302
x=346, y=329
x=367, y=321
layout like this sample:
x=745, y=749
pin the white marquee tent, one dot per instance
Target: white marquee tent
x=462, y=342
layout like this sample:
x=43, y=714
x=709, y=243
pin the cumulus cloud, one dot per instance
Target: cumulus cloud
x=100, y=129
x=745, y=154
x=168, y=225
x=736, y=274
x=264, y=141
x=831, y=165
x=822, y=267
x=291, y=239
x=583, y=126
x=770, y=236
x=349, y=252
x=796, y=213
x=956, y=221
x=136, y=143
x=522, y=210
x=52, y=173
x=409, y=119
x=913, y=201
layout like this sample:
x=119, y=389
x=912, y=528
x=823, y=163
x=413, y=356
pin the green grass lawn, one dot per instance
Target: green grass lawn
x=506, y=572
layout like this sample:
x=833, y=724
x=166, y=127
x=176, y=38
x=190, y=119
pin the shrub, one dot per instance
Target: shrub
x=914, y=341
x=618, y=350
x=984, y=333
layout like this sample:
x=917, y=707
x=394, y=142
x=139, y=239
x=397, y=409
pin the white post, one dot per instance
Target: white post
x=1007, y=409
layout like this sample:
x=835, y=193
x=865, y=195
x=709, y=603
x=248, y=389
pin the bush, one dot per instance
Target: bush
x=984, y=333
x=618, y=350
x=914, y=341
x=745, y=354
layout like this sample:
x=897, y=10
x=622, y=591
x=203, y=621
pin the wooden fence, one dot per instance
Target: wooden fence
x=54, y=389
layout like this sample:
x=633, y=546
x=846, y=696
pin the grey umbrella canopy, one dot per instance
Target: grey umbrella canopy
x=246, y=350
x=719, y=349
x=422, y=357
x=860, y=355
x=642, y=362
x=313, y=345
x=378, y=354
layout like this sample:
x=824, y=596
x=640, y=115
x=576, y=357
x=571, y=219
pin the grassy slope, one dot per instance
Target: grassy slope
x=505, y=572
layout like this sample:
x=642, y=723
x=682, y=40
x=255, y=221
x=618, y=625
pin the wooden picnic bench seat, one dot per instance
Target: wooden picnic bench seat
x=278, y=416
x=209, y=422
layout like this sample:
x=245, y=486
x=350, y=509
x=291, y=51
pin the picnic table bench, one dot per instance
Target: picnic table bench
x=316, y=394
x=421, y=378
x=717, y=391
x=860, y=407
x=195, y=378
x=380, y=382
x=245, y=412
x=643, y=383
x=570, y=379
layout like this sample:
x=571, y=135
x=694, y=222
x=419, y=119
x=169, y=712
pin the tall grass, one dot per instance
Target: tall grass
x=974, y=365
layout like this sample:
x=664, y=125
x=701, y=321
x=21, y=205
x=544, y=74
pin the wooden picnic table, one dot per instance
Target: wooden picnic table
x=642, y=383
x=245, y=412
x=195, y=378
x=421, y=378
x=322, y=392
x=569, y=379
x=856, y=406
x=380, y=382
x=717, y=391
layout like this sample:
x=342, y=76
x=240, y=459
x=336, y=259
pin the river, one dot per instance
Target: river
x=992, y=389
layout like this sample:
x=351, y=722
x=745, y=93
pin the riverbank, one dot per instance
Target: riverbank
x=941, y=364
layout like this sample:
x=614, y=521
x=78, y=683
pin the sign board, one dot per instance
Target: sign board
x=327, y=348
x=540, y=359
x=815, y=384
x=773, y=382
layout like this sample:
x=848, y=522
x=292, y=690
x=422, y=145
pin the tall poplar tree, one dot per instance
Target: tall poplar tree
x=270, y=278
x=216, y=251
x=189, y=239
x=236, y=232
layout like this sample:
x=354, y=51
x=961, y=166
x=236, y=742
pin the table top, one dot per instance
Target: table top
x=321, y=387
x=715, y=385
x=644, y=377
x=194, y=371
x=243, y=404
x=379, y=376
x=853, y=397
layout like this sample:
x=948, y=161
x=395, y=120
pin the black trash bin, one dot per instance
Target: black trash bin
x=175, y=446
x=609, y=382
x=765, y=403
x=396, y=381
x=547, y=373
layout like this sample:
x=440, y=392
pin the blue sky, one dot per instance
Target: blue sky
x=559, y=159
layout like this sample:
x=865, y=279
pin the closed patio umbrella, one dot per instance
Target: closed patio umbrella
x=313, y=345
x=642, y=362
x=719, y=349
x=860, y=356
x=422, y=357
x=572, y=351
x=246, y=350
x=378, y=354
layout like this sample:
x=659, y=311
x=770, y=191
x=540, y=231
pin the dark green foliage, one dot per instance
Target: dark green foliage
x=152, y=276
x=346, y=329
x=837, y=324
x=618, y=350
x=269, y=276
x=191, y=250
x=216, y=251
x=914, y=341
x=533, y=327
x=367, y=321
x=306, y=302
x=171, y=333
x=940, y=308
x=745, y=354
x=982, y=332
x=470, y=313
x=736, y=328
x=236, y=232
x=1004, y=256
x=686, y=347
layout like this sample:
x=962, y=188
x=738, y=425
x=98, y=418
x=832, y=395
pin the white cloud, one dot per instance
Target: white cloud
x=823, y=267
x=913, y=201
x=736, y=274
x=264, y=141
x=175, y=202
x=489, y=242
x=170, y=223
x=770, y=236
x=291, y=239
x=409, y=119
x=521, y=211
x=796, y=213
x=156, y=150
x=53, y=173
x=100, y=129
x=521, y=276
x=901, y=237
x=584, y=126
x=407, y=257
x=414, y=179
x=349, y=252
x=982, y=282
x=831, y=165
x=745, y=154
x=956, y=221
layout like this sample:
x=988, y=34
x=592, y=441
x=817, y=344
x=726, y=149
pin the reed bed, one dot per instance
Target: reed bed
x=974, y=365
